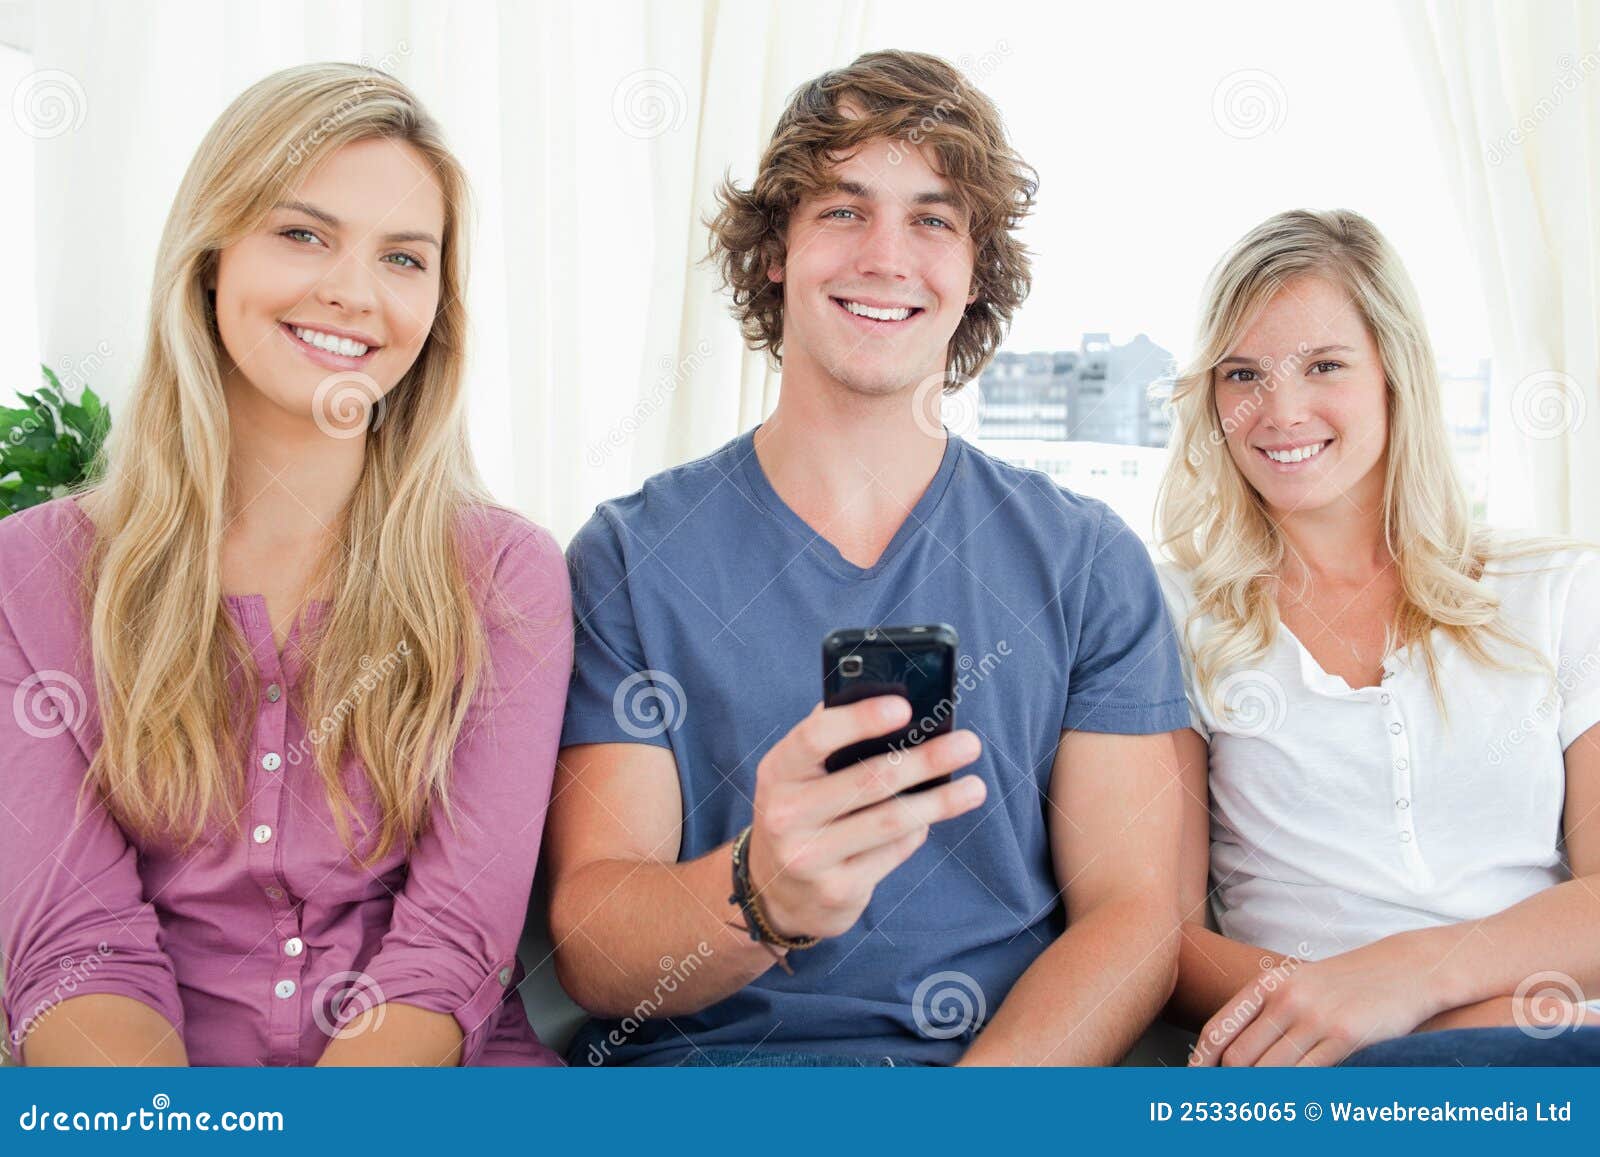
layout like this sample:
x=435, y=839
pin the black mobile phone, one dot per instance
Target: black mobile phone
x=918, y=663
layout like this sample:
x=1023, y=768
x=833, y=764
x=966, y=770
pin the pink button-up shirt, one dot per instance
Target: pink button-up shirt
x=257, y=945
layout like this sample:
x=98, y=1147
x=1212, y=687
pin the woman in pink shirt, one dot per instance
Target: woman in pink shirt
x=286, y=685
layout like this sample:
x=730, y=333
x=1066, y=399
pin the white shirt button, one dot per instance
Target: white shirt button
x=504, y=977
x=271, y=761
x=1401, y=764
x=283, y=990
x=1384, y=698
x=274, y=892
x=1405, y=837
x=1402, y=804
x=273, y=691
x=1395, y=729
x=262, y=834
x=293, y=946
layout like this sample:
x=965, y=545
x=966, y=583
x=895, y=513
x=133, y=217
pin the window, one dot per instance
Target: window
x=1152, y=161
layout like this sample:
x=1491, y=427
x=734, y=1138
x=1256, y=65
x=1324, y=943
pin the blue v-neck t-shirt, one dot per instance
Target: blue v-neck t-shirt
x=701, y=603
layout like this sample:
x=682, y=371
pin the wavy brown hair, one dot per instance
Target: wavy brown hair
x=907, y=97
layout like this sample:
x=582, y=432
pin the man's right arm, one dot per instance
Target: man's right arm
x=621, y=904
x=625, y=914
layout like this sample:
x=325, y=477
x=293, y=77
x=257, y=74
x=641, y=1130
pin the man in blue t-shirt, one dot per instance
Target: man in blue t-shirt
x=717, y=896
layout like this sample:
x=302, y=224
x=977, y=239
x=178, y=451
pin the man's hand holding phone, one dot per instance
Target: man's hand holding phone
x=821, y=841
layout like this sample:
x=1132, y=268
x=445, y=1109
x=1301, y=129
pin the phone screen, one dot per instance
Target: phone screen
x=917, y=663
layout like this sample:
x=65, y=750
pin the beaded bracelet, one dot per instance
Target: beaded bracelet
x=744, y=895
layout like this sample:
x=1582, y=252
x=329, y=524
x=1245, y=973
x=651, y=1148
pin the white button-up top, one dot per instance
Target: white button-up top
x=1340, y=815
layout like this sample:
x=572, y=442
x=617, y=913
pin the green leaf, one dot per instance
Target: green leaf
x=23, y=458
x=61, y=463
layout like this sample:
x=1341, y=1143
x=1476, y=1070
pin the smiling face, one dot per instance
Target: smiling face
x=1309, y=427
x=340, y=282
x=878, y=272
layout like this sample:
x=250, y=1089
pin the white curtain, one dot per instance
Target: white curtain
x=1515, y=92
x=595, y=135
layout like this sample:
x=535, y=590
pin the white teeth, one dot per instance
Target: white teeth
x=877, y=314
x=330, y=342
x=1298, y=455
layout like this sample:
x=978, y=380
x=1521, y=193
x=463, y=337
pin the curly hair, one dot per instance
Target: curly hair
x=907, y=97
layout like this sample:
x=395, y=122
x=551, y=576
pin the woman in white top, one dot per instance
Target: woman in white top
x=1393, y=711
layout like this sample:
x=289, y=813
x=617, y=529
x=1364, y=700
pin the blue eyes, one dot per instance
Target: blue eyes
x=295, y=233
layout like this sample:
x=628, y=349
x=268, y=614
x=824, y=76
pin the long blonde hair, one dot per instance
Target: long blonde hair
x=175, y=740
x=1214, y=525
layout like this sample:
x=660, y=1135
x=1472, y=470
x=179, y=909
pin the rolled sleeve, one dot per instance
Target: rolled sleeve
x=73, y=917
x=1180, y=601
x=1126, y=678
x=452, y=942
x=610, y=670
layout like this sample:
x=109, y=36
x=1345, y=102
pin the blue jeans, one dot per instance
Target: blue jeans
x=1484, y=1047
x=746, y=1058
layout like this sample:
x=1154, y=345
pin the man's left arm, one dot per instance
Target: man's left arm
x=1114, y=822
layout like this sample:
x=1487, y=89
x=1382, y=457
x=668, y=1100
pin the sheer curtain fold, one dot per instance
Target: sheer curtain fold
x=1515, y=92
x=595, y=136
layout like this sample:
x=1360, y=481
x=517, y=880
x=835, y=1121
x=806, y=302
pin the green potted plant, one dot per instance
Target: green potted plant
x=50, y=446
